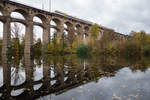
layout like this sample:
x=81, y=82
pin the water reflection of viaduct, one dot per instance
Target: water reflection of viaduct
x=65, y=79
x=62, y=24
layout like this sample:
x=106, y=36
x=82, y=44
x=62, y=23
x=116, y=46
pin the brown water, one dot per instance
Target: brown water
x=70, y=78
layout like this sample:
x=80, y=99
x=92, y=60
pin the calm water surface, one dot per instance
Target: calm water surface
x=70, y=78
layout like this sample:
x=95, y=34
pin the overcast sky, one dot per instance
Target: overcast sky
x=121, y=15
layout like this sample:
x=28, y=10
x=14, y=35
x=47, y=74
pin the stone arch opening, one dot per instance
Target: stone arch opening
x=37, y=34
x=86, y=30
x=53, y=33
x=66, y=32
x=68, y=24
x=1, y=11
x=1, y=14
x=17, y=30
x=17, y=38
x=55, y=22
x=1, y=36
x=19, y=13
x=78, y=27
x=69, y=28
x=39, y=18
x=65, y=26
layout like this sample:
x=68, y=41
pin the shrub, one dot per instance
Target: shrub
x=83, y=51
x=146, y=50
x=130, y=49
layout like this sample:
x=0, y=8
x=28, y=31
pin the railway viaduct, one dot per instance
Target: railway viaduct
x=73, y=25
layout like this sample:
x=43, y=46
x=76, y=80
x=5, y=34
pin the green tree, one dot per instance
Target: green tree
x=94, y=31
x=38, y=47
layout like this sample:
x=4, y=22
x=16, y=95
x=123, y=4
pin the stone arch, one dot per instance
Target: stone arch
x=21, y=12
x=55, y=21
x=68, y=24
x=86, y=28
x=41, y=18
x=78, y=28
x=19, y=21
x=85, y=32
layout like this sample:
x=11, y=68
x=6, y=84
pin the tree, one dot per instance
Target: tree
x=38, y=47
x=71, y=37
x=16, y=30
x=15, y=43
x=94, y=32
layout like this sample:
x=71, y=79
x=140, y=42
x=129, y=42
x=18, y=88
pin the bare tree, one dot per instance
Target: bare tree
x=16, y=30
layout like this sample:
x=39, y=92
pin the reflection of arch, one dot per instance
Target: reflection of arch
x=38, y=73
x=41, y=17
x=21, y=11
x=17, y=92
x=17, y=77
x=37, y=87
x=56, y=21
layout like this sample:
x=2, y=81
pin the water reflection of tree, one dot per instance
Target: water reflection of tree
x=141, y=64
x=69, y=72
x=91, y=69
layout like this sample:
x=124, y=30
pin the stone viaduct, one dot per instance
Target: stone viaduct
x=73, y=25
